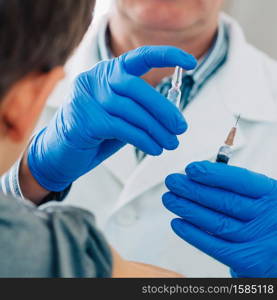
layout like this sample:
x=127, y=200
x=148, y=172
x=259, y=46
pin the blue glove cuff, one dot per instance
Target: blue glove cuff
x=40, y=168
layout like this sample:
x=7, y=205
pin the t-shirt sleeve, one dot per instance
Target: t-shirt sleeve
x=57, y=241
x=80, y=249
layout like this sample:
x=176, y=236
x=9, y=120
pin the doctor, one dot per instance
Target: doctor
x=232, y=78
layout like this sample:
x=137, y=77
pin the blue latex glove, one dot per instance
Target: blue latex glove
x=229, y=213
x=109, y=107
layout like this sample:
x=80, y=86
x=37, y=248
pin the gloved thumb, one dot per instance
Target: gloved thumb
x=143, y=59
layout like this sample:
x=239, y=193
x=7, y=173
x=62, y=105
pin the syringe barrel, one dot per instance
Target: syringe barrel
x=224, y=154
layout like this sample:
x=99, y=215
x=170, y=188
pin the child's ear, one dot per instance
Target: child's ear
x=22, y=105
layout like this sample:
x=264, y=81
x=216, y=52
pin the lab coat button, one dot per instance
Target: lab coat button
x=127, y=217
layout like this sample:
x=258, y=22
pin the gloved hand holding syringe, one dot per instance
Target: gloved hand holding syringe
x=226, y=212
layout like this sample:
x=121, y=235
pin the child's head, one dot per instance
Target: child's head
x=36, y=38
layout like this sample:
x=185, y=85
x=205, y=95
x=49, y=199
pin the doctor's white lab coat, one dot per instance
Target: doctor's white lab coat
x=126, y=197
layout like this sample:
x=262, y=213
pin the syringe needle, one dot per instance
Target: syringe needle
x=237, y=121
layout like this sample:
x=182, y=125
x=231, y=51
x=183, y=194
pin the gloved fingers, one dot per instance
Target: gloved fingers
x=228, y=203
x=128, y=110
x=204, y=218
x=234, y=179
x=125, y=132
x=217, y=248
x=153, y=102
x=141, y=60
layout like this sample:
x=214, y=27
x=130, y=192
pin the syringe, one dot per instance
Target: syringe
x=175, y=94
x=225, y=152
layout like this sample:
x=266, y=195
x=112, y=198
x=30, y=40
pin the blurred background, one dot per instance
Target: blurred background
x=257, y=17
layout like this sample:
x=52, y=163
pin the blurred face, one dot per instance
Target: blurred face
x=170, y=14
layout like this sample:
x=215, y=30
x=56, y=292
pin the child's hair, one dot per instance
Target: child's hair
x=38, y=35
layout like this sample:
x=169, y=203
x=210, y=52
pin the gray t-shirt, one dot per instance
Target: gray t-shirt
x=57, y=241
